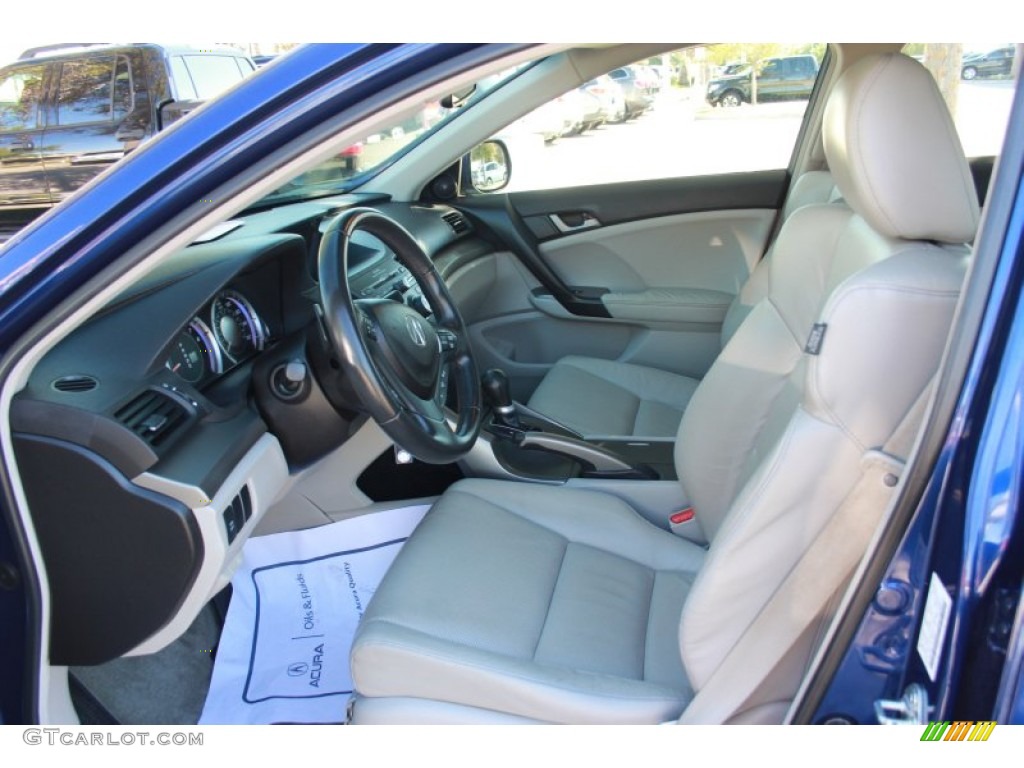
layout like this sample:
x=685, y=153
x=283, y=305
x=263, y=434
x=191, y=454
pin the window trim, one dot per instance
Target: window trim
x=131, y=86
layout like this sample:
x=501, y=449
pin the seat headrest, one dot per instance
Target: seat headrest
x=895, y=153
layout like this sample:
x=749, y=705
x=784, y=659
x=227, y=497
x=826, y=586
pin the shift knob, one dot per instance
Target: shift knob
x=495, y=385
x=495, y=388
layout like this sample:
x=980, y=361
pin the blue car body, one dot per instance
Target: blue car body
x=967, y=528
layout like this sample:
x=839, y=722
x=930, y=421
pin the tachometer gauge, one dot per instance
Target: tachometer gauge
x=236, y=326
x=194, y=353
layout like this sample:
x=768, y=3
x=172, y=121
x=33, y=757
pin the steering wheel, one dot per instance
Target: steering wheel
x=397, y=361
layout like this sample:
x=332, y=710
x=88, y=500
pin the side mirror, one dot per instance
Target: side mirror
x=490, y=166
x=170, y=111
x=457, y=99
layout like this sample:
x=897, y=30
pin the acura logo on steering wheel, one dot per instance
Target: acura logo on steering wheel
x=415, y=332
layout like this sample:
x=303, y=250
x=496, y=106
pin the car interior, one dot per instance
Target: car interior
x=658, y=422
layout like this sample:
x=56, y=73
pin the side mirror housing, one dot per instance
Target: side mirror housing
x=489, y=166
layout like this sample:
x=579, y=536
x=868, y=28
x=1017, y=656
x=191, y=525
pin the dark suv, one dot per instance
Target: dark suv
x=992, y=64
x=68, y=112
x=779, y=78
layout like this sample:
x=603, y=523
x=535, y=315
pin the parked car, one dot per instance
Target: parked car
x=779, y=78
x=592, y=107
x=635, y=89
x=68, y=113
x=664, y=75
x=488, y=174
x=733, y=68
x=610, y=95
x=577, y=109
x=194, y=358
x=995, y=63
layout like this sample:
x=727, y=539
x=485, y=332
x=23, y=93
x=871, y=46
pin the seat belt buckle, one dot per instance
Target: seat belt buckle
x=684, y=524
x=682, y=516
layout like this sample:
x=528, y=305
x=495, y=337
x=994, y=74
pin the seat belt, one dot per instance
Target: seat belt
x=802, y=597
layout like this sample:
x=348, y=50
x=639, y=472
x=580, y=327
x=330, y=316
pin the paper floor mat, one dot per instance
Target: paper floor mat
x=296, y=601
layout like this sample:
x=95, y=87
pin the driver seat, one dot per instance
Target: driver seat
x=515, y=602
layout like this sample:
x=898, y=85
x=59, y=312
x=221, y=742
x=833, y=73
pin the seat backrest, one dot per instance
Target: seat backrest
x=859, y=302
x=809, y=188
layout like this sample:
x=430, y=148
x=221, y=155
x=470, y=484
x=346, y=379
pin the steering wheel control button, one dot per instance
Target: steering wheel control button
x=449, y=341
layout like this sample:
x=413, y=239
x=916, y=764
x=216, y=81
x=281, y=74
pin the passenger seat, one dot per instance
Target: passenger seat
x=598, y=397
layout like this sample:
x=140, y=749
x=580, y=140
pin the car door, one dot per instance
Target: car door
x=93, y=122
x=22, y=178
x=773, y=80
x=630, y=242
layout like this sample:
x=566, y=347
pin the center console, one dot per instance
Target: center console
x=527, y=445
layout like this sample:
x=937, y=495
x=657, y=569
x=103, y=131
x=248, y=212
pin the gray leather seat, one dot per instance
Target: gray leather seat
x=515, y=602
x=605, y=397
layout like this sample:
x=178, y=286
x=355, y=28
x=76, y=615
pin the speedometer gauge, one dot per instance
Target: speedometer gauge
x=194, y=353
x=236, y=326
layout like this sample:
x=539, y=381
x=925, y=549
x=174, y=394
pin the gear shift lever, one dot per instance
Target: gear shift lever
x=495, y=387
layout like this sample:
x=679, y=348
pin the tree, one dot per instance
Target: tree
x=817, y=50
x=943, y=60
x=751, y=53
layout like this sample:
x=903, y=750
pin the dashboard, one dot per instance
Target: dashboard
x=154, y=437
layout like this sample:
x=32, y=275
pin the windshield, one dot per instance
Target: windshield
x=361, y=160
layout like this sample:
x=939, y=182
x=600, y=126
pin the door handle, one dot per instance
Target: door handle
x=573, y=222
x=97, y=157
x=24, y=145
x=130, y=134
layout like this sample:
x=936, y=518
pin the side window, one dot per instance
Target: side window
x=20, y=92
x=183, y=88
x=213, y=74
x=88, y=93
x=978, y=91
x=708, y=116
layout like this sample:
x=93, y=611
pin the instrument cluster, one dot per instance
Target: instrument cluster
x=208, y=346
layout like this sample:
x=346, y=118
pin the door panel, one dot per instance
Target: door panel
x=714, y=250
x=658, y=269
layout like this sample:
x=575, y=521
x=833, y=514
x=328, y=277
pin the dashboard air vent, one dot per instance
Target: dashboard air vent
x=78, y=383
x=153, y=416
x=457, y=222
